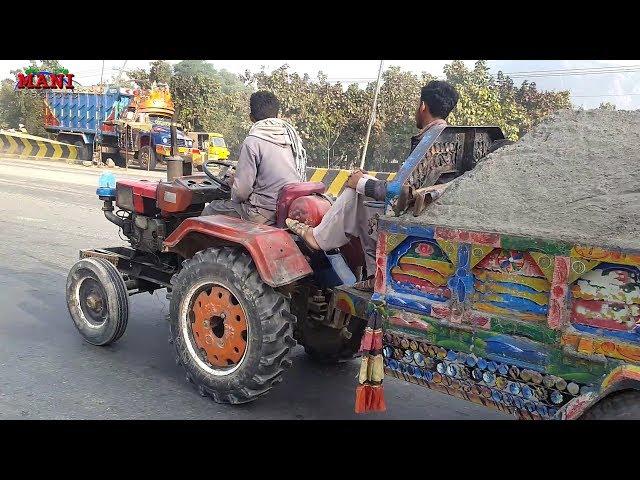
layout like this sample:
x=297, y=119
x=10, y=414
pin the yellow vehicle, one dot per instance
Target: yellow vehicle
x=212, y=147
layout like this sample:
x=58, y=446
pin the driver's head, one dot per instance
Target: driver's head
x=263, y=104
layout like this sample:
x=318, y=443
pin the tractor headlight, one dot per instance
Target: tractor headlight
x=165, y=140
x=124, y=198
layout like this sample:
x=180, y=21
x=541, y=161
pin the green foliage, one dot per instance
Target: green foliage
x=190, y=68
x=138, y=75
x=160, y=72
x=193, y=96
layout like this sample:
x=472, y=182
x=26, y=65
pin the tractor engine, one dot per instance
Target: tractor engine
x=147, y=234
x=150, y=210
x=139, y=217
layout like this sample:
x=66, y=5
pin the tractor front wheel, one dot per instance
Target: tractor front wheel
x=97, y=300
x=232, y=332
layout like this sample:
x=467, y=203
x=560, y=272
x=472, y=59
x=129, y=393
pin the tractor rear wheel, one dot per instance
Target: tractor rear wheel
x=97, y=300
x=232, y=332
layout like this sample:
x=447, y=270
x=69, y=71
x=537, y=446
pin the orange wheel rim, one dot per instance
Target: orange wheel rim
x=219, y=326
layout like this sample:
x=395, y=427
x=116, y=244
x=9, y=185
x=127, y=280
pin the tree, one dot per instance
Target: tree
x=194, y=100
x=160, y=72
x=190, y=68
x=141, y=78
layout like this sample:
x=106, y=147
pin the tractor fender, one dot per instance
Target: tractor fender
x=277, y=257
x=624, y=377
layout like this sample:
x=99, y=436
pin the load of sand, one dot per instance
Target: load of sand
x=575, y=178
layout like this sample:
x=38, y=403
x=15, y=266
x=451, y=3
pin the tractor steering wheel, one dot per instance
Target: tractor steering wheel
x=219, y=180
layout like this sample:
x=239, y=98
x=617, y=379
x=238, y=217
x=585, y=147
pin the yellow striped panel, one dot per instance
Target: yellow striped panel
x=13, y=146
x=57, y=151
x=338, y=184
x=318, y=175
x=42, y=149
x=27, y=147
x=73, y=152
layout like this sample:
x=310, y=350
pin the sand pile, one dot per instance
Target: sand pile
x=576, y=177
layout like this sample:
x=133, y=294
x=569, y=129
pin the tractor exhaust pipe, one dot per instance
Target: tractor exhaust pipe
x=174, y=162
x=107, y=208
x=176, y=165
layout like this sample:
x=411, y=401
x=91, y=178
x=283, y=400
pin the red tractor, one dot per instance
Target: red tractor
x=241, y=294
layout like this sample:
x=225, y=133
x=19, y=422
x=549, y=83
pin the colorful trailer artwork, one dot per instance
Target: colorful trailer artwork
x=531, y=327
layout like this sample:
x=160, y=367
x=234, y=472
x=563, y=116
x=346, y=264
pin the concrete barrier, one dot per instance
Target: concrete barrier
x=23, y=145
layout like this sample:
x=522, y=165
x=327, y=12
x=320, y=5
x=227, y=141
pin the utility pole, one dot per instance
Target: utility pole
x=372, y=118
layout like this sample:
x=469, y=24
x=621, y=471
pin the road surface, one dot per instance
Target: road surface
x=49, y=212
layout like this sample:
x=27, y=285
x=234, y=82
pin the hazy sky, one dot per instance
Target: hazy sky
x=589, y=81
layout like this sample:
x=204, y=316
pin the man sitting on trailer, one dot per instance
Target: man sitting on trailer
x=349, y=216
x=271, y=157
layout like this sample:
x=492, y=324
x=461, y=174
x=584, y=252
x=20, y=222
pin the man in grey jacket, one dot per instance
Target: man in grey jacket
x=270, y=157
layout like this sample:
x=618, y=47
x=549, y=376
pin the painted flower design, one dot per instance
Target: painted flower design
x=512, y=261
x=424, y=249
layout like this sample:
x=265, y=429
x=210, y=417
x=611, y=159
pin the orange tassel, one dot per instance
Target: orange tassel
x=377, y=400
x=370, y=399
x=361, y=398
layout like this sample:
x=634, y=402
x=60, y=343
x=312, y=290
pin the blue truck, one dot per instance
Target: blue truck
x=129, y=126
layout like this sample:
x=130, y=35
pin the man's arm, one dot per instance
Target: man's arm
x=367, y=186
x=245, y=175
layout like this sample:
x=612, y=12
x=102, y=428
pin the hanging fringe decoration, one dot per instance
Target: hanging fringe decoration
x=370, y=393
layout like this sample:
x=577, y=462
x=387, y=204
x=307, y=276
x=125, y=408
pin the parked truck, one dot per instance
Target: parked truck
x=130, y=126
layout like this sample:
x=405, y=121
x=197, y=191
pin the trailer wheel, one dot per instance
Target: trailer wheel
x=232, y=332
x=97, y=300
x=147, y=158
x=624, y=405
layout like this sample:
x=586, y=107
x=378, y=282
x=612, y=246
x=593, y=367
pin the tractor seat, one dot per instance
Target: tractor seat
x=291, y=192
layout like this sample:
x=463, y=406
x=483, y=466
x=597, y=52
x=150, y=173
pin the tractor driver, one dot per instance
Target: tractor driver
x=349, y=216
x=271, y=157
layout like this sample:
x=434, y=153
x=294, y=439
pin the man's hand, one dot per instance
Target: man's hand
x=354, y=178
x=229, y=179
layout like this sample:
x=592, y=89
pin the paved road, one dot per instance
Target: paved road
x=49, y=211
